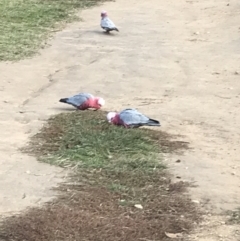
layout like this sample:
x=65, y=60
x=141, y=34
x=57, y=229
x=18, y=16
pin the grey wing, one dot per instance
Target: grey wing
x=133, y=117
x=86, y=95
x=106, y=23
x=79, y=99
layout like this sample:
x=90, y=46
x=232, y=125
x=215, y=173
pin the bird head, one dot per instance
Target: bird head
x=111, y=115
x=103, y=13
x=101, y=102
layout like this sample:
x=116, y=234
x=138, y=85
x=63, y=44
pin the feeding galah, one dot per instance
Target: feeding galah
x=83, y=101
x=131, y=118
x=106, y=23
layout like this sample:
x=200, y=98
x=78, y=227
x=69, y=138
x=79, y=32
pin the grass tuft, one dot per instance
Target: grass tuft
x=25, y=24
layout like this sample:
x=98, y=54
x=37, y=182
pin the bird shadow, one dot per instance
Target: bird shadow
x=68, y=109
x=101, y=33
x=64, y=109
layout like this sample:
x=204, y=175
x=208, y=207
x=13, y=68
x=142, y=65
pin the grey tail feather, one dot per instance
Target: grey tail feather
x=153, y=122
x=116, y=29
x=63, y=100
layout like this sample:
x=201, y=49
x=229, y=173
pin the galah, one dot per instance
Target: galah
x=106, y=23
x=131, y=118
x=83, y=101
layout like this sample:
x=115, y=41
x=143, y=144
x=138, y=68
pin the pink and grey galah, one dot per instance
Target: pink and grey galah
x=131, y=118
x=84, y=101
x=106, y=23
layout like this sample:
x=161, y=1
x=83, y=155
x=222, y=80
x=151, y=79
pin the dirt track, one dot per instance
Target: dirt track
x=175, y=61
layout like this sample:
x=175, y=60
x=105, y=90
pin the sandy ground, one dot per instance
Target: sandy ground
x=177, y=61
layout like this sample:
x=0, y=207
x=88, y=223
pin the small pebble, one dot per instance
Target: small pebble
x=138, y=206
x=195, y=201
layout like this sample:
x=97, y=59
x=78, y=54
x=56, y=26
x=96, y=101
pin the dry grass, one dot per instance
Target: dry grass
x=116, y=168
x=94, y=213
x=234, y=216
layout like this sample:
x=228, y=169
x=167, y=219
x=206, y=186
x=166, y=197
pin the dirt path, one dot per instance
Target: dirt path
x=177, y=61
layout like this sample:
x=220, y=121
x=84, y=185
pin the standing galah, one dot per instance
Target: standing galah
x=131, y=118
x=106, y=23
x=83, y=101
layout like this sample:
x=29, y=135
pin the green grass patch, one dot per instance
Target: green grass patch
x=87, y=140
x=123, y=160
x=120, y=190
x=25, y=24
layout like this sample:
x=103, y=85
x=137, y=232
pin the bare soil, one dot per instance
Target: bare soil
x=175, y=61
